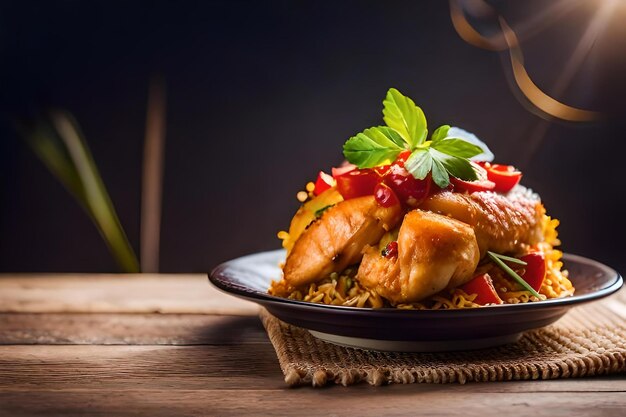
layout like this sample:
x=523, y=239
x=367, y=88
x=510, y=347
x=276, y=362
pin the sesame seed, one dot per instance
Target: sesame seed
x=302, y=196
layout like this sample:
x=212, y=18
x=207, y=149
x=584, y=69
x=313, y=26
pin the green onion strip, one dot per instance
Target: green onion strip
x=498, y=259
x=509, y=259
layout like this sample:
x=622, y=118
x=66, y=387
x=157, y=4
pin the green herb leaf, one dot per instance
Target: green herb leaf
x=419, y=163
x=444, y=155
x=374, y=146
x=401, y=114
x=440, y=175
x=319, y=212
x=496, y=258
x=456, y=166
x=457, y=147
x=439, y=134
x=458, y=133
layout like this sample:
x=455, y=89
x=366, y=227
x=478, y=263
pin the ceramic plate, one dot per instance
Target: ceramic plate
x=392, y=329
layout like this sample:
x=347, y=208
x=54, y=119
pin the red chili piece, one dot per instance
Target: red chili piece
x=390, y=184
x=482, y=286
x=535, y=269
x=345, y=167
x=505, y=177
x=323, y=183
x=481, y=184
x=357, y=183
x=385, y=196
x=402, y=157
x=391, y=250
x=409, y=190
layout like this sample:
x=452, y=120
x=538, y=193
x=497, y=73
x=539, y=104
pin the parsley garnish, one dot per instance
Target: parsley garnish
x=406, y=130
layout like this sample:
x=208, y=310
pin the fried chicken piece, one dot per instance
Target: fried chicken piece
x=336, y=240
x=440, y=244
x=503, y=224
x=435, y=252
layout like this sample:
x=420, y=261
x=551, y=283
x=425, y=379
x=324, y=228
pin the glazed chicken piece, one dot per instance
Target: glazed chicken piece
x=336, y=240
x=503, y=224
x=440, y=244
x=434, y=252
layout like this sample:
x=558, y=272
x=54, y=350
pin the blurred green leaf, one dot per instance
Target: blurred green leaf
x=59, y=143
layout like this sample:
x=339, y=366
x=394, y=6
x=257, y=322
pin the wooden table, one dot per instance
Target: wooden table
x=172, y=345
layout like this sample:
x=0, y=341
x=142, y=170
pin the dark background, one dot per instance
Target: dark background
x=261, y=95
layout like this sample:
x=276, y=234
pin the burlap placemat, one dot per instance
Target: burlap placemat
x=589, y=340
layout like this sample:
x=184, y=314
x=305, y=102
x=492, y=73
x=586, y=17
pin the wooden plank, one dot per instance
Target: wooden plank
x=103, y=368
x=110, y=368
x=130, y=329
x=117, y=293
x=136, y=293
x=370, y=401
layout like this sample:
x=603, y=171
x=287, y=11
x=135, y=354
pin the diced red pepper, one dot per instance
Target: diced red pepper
x=382, y=170
x=399, y=184
x=391, y=250
x=323, y=183
x=482, y=286
x=409, y=190
x=471, y=186
x=402, y=157
x=345, y=167
x=535, y=269
x=481, y=184
x=385, y=196
x=357, y=183
x=504, y=176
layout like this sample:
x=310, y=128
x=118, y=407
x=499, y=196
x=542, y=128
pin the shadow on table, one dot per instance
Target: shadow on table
x=232, y=330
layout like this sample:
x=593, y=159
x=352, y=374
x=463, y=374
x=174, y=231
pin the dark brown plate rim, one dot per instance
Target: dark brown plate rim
x=610, y=283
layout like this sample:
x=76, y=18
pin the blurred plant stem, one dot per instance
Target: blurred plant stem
x=59, y=143
x=152, y=180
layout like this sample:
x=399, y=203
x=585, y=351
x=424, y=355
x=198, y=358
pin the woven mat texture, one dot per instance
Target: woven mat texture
x=589, y=340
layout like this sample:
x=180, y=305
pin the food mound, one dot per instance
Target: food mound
x=417, y=223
